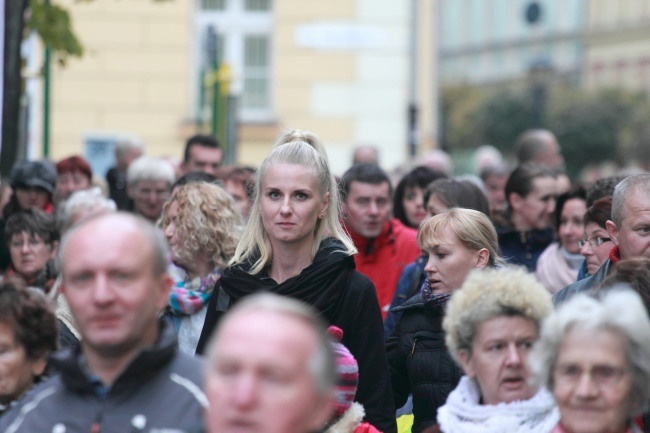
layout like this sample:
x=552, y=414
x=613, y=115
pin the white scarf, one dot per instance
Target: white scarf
x=462, y=412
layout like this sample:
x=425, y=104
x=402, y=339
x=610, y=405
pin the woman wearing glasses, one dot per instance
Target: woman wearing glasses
x=594, y=355
x=597, y=243
x=558, y=265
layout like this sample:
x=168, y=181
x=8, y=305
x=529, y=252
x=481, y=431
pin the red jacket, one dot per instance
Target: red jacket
x=382, y=259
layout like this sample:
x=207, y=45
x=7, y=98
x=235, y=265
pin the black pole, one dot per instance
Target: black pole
x=12, y=85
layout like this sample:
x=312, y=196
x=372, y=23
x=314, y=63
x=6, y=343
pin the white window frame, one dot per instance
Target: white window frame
x=234, y=24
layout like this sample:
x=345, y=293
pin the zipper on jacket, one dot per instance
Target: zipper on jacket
x=96, y=425
x=415, y=340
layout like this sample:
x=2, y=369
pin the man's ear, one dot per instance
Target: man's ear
x=166, y=282
x=612, y=230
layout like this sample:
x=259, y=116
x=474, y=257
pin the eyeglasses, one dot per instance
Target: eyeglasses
x=602, y=375
x=594, y=242
x=31, y=242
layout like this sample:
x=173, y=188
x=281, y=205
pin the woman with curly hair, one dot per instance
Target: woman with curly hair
x=491, y=325
x=201, y=224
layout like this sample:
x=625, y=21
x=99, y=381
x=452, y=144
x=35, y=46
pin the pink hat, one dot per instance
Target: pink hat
x=347, y=373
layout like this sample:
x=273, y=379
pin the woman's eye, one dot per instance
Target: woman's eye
x=274, y=194
x=301, y=195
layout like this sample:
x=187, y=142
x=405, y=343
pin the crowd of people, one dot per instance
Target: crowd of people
x=201, y=297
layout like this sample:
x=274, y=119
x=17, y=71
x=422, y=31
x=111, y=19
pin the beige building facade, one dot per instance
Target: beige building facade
x=346, y=70
x=617, y=44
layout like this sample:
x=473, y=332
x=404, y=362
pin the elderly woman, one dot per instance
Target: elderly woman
x=491, y=325
x=33, y=243
x=294, y=245
x=455, y=242
x=202, y=225
x=27, y=336
x=594, y=355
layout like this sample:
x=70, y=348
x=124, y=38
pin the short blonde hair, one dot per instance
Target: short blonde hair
x=490, y=293
x=207, y=221
x=473, y=228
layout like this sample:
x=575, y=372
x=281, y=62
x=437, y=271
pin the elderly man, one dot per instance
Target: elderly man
x=270, y=369
x=149, y=182
x=126, y=376
x=629, y=230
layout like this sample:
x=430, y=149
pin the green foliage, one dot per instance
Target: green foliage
x=588, y=125
x=592, y=127
x=504, y=115
x=53, y=25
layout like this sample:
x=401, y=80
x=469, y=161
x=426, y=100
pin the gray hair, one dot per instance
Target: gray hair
x=322, y=365
x=85, y=200
x=490, y=293
x=158, y=243
x=637, y=184
x=619, y=309
x=125, y=144
x=149, y=168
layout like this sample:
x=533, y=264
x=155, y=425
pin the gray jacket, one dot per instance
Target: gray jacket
x=159, y=391
x=583, y=285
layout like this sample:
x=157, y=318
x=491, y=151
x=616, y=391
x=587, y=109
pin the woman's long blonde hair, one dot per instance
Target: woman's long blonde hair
x=299, y=148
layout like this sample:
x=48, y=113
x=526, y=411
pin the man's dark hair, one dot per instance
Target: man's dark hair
x=364, y=173
x=204, y=140
x=603, y=187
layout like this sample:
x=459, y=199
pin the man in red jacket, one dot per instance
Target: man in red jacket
x=385, y=246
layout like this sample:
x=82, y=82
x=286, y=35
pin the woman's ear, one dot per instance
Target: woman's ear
x=465, y=359
x=54, y=249
x=325, y=205
x=482, y=258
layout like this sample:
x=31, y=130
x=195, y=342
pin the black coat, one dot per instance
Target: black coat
x=353, y=307
x=419, y=361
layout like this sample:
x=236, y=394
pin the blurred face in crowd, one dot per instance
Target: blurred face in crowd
x=534, y=211
x=633, y=236
x=258, y=378
x=449, y=262
x=413, y=203
x=367, y=208
x=69, y=182
x=435, y=205
x=17, y=370
x=149, y=197
x=498, y=360
x=114, y=292
x=238, y=192
x=592, y=383
x=203, y=158
x=596, y=246
x=572, y=224
x=32, y=197
x=550, y=154
x=495, y=185
x=30, y=254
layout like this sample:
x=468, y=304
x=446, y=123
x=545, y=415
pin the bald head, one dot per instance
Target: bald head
x=541, y=146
